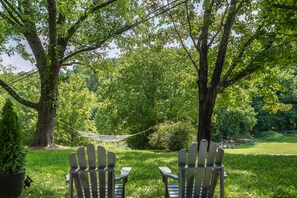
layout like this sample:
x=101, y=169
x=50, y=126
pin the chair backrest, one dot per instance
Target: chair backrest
x=198, y=177
x=81, y=171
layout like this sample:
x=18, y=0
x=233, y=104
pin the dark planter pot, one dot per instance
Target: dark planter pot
x=12, y=185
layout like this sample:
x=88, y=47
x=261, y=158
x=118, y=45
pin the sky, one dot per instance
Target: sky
x=22, y=65
x=18, y=62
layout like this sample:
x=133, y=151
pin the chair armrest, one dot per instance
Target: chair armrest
x=125, y=171
x=166, y=172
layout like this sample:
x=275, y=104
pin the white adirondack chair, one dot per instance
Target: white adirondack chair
x=196, y=178
x=96, y=179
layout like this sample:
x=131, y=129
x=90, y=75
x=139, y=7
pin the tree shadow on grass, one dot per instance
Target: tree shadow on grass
x=262, y=176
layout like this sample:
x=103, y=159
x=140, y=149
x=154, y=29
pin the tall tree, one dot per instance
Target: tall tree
x=226, y=41
x=63, y=32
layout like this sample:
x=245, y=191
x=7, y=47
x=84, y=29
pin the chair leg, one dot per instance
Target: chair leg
x=70, y=186
x=124, y=187
x=222, y=183
x=165, y=180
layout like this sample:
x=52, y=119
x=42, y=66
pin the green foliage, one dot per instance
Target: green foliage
x=234, y=123
x=76, y=105
x=27, y=86
x=173, y=136
x=268, y=135
x=140, y=89
x=280, y=119
x=12, y=152
x=139, y=141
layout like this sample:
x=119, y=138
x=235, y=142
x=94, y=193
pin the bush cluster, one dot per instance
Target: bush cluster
x=232, y=124
x=172, y=136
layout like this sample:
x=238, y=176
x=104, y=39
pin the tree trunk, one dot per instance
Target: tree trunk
x=44, y=134
x=206, y=106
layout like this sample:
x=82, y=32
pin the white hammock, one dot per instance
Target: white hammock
x=109, y=138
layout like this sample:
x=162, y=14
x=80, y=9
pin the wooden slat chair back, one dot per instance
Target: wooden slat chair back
x=197, y=175
x=95, y=179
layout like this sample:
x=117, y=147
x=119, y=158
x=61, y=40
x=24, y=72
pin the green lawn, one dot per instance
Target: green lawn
x=248, y=175
x=274, y=144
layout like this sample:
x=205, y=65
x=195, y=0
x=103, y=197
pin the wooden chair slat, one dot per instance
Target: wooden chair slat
x=84, y=179
x=74, y=177
x=201, y=162
x=91, y=156
x=202, y=152
x=73, y=161
x=191, y=169
x=101, y=157
x=182, y=172
x=101, y=167
x=208, y=172
x=111, y=174
x=92, y=166
x=192, y=154
x=219, y=161
x=220, y=155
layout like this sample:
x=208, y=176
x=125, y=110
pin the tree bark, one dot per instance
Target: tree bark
x=44, y=135
x=47, y=107
x=206, y=105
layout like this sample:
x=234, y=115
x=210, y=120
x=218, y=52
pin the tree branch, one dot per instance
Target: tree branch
x=220, y=27
x=72, y=63
x=13, y=9
x=71, y=31
x=181, y=41
x=202, y=41
x=13, y=94
x=216, y=76
x=241, y=53
x=252, y=66
x=202, y=44
x=13, y=20
x=123, y=29
x=52, y=14
x=284, y=6
x=190, y=29
x=31, y=35
x=8, y=19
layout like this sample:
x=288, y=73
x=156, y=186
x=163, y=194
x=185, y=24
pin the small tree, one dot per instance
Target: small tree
x=12, y=152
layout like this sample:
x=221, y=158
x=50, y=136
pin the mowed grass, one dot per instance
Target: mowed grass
x=248, y=175
x=275, y=144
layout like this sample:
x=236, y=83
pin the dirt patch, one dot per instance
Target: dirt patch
x=55, y=148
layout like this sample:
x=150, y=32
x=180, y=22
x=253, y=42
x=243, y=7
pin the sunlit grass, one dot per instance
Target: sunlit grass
x=248, y=175
x=282, y=145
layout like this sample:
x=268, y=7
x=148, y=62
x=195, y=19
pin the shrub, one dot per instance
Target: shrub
x=139, y=141
x=12, y=152
x=172, y=136
x=268, y=135
x=235, y=123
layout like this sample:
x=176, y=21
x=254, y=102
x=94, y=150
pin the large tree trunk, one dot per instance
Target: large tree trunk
x=206, y=105
x=44, y=134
